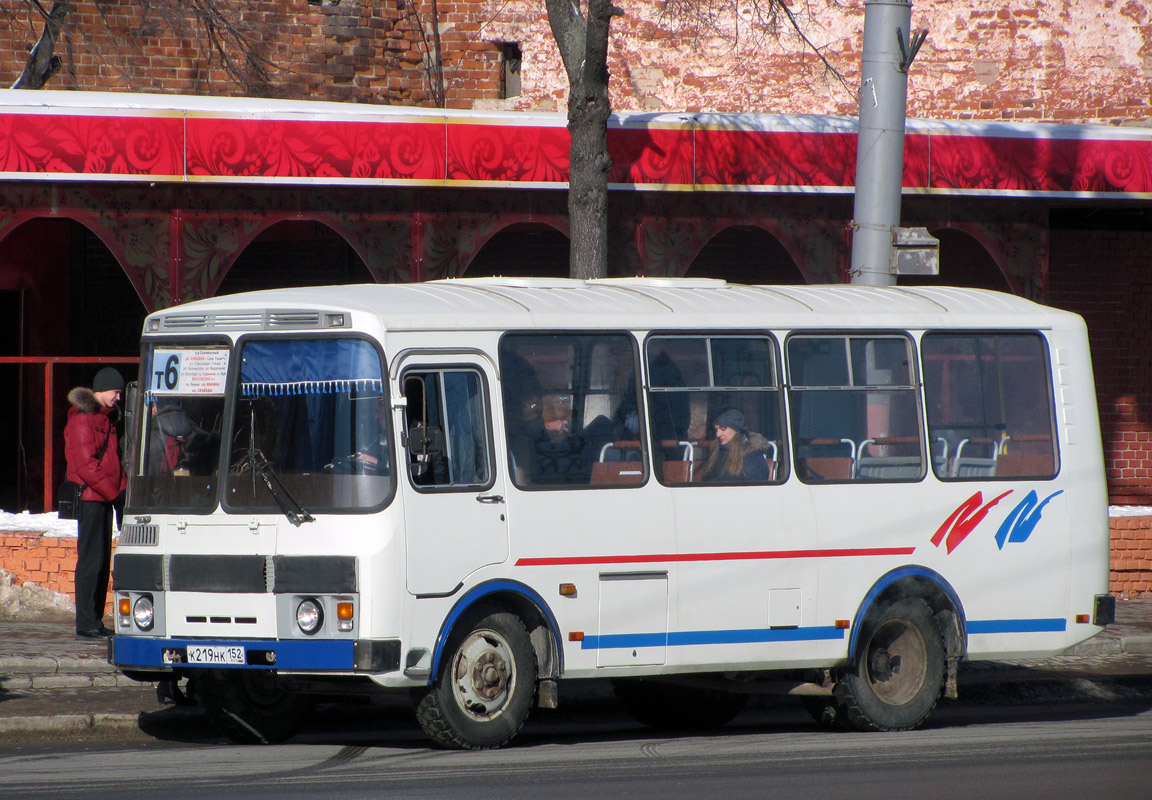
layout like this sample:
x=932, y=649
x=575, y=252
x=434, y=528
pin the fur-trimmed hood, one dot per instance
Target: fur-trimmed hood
x=85, y=400
x=758, y=444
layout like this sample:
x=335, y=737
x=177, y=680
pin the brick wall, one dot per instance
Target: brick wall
x=1104, y=276
x=1131, y=557
x=47, y=561
x=1055, y=60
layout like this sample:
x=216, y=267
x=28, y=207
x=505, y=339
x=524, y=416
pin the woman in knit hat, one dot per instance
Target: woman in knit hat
x=739, y=456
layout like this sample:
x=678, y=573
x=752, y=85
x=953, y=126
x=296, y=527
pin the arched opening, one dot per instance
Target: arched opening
x=62, y=294
x=746, y=254
x=295, y=253
x=963, y=262
x=523, y=250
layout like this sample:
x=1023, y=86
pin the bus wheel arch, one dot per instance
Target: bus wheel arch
x=486, y=683
x=526, y=604
x=907, y=640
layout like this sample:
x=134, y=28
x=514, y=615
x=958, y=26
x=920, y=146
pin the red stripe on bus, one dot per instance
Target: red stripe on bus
x=754, y=556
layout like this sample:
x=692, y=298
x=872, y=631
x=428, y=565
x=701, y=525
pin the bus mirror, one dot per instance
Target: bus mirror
x=425, y=441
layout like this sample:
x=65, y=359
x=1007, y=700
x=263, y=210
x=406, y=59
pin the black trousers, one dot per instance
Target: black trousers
x=93, y=560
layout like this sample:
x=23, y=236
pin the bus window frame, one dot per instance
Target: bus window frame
x=1046, y=361
x=638, y=374
x=415, y=365
x=783, y=465
x=233, y=398
x=915, y=385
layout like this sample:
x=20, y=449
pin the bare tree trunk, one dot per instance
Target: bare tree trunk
x=584, y=49
x=43, y=63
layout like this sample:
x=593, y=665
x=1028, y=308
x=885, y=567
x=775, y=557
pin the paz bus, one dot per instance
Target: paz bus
x=473, y=490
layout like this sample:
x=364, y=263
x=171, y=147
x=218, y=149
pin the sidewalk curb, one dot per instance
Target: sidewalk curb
x=68, y=722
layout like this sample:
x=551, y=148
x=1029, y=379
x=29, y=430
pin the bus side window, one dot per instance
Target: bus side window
x=989, y=402
x=571, y=410
x=696, y=380
x=855, y=408
x=447, y=429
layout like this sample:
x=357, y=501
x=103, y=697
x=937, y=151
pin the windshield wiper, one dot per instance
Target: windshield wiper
x=288, y=504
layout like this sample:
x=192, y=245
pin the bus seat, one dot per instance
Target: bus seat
x=982, y=464
x=886, y=465
x=607, y=473
x=826, y=468
x=626, y=450
x=1025, y=465
x=819, y=460
x=677, y=472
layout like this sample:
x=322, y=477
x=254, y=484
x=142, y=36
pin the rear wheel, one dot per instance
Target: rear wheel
x=671, y=707
x=252, y=706
x=486, y=687
x=899, y=670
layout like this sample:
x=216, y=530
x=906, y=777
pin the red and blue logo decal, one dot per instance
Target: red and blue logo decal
x=1016, y=528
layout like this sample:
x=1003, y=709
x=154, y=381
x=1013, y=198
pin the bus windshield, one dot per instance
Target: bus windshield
x=183, y=410
x=314, y=413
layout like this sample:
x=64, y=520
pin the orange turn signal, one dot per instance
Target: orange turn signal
x=344, y=610
x=576, y=636
x=843, y=624
x=567, y=590
x=1083, y=619
x=125, y=606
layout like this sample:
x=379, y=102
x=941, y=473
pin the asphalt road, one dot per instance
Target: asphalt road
x=1050, y=751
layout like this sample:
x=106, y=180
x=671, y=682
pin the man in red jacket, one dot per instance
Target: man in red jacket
x=92, y=452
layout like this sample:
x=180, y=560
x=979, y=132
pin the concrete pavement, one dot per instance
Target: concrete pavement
x=52, y=681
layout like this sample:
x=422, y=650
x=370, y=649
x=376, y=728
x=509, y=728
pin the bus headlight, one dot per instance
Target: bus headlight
x=309, y=616
x=143, y=613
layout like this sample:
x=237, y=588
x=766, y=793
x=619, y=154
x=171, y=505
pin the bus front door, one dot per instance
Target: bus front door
x=454, y=506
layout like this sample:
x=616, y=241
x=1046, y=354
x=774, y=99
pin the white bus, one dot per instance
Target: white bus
x=472, y=489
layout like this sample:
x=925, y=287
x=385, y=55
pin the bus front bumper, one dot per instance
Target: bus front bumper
x=144, y=654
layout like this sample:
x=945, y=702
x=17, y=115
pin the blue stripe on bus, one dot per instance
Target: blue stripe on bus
x=139, y=651
x=1017, y=625
x=687, y=638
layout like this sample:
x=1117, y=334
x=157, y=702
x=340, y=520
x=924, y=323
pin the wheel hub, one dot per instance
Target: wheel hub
x=483, y=675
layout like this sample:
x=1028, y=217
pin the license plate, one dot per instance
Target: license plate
x=216, y=654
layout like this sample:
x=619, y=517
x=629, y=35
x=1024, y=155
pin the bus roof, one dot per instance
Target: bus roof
x=634, y=303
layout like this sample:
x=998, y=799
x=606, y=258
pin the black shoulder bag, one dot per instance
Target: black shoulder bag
x=68, y=495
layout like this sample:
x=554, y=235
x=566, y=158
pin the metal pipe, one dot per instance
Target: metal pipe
x=880, y=144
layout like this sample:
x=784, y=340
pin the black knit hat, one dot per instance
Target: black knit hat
x=730, y=418
x=106, y=380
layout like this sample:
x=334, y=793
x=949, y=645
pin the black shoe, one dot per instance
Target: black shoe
x=95, y=633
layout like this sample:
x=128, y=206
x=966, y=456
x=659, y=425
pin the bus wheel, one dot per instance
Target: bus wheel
x=487, y=685
x=898, y=673
x=252, y=706
x=671, y=707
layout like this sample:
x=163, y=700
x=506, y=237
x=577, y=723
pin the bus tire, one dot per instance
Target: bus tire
x=487, y=685
x=898, y=673
x=252, y=706
x=670, y=707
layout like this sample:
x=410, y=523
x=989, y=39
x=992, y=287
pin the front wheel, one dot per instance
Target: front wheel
x=898, y=673
x=486, y=688
x=252, y=706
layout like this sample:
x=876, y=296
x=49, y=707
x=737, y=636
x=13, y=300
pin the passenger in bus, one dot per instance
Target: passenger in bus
x=739, y=455
x=173, y=438
x=559, y=455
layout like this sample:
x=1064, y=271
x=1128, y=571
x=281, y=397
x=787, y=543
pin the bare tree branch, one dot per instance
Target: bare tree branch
x=43, y=62
x=750, y=24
